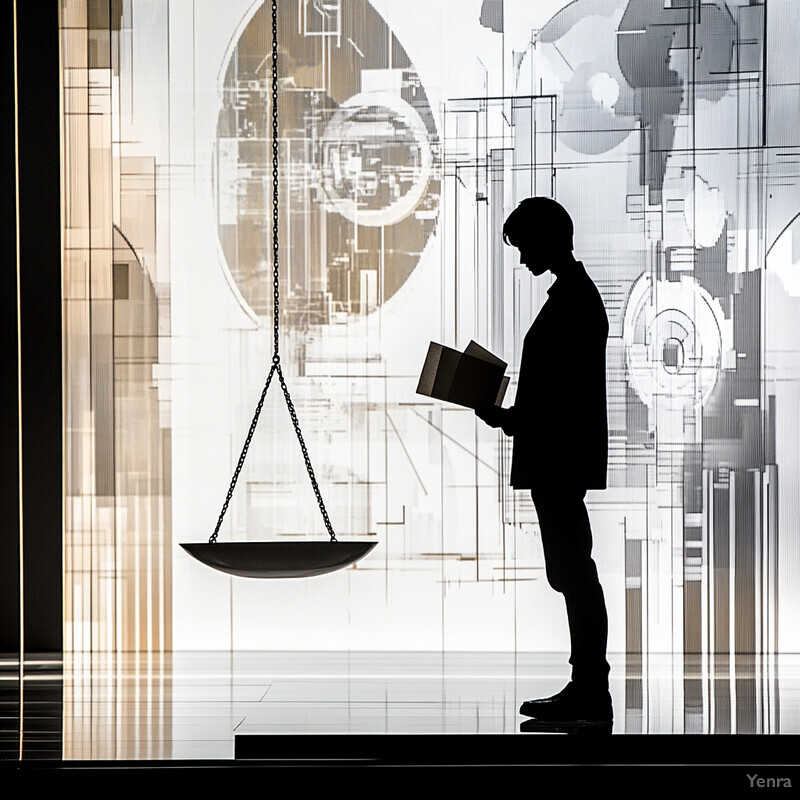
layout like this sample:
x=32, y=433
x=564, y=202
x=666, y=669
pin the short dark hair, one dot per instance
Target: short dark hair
x=542, y=213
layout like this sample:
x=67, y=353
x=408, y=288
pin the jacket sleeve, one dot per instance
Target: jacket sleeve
x=496, y=417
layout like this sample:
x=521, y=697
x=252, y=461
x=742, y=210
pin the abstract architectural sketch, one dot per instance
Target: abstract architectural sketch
x=359, y=155
x=117, y=552
x=668, y=129
x=662, y=109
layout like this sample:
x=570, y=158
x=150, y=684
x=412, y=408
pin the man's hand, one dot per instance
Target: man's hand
x=493, y=416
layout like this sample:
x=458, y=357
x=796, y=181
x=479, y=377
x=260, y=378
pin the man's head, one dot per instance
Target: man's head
x=541, y=229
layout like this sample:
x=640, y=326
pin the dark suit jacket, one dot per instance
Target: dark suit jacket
x=558, y=419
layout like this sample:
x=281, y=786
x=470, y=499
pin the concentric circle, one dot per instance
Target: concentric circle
x=673, y=336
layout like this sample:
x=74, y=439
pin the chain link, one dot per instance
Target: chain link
x=276, y=357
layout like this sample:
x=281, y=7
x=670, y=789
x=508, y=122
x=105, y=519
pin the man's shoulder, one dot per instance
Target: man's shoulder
x=580, y=290
x=589, y=286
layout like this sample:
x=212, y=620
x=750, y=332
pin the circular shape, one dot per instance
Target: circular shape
x=575, y=60
x=605, y=89
x=673, y=341
x=278, y=559
x=376, y=159
x=358, y=164
x=674, y=344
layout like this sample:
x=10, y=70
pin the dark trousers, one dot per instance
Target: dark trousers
x=567, y=542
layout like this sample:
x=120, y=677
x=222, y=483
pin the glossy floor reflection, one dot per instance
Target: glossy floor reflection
x=191, y=705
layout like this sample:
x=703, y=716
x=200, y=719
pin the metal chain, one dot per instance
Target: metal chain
x=213, y=538
x=306, y=458
x=276, y=357
x=275, y=291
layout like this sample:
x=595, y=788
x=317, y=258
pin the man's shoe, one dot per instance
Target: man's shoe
x=571, y=704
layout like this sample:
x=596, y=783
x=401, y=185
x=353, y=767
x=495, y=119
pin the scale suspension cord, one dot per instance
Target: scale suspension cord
x=275, y=367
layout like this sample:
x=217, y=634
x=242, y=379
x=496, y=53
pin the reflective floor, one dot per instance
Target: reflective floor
x=192, y=705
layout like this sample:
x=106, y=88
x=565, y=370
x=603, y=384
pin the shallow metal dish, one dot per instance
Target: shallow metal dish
x=278, y=559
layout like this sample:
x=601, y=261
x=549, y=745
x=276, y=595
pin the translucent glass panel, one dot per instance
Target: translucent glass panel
x=408, y=132
x=117, y=433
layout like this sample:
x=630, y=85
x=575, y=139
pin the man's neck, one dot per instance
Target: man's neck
x=564, y=265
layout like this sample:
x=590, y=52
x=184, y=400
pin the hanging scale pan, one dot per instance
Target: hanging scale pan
x=277, y=559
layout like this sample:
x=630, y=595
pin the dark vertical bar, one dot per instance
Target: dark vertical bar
x=633, y=596
x=10, y=619
x=9, y=385
x=693, y=716
x=634, y=680
x=693, y=555
x=721, y=565
x=40, y=325
x=694, y=564
x=744, y=580
x=634, y=693
x=745, y=601
x=721, y=687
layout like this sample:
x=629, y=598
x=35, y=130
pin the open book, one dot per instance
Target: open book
x=474, y=378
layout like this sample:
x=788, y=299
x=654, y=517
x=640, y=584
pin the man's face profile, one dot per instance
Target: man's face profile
x=537, y=256
x=542, y=231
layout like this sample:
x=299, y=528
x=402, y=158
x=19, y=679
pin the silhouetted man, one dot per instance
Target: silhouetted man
x=560, y=432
